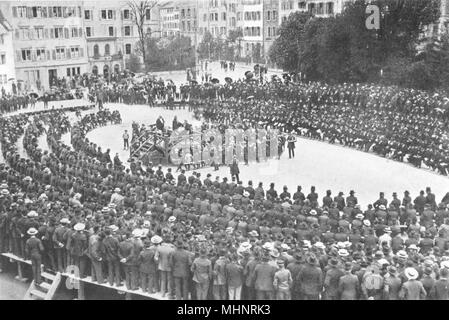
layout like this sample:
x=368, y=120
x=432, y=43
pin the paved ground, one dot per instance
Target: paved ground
x=317, y=163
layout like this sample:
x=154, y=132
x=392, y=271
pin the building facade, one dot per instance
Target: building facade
x=169, y=19
x=48, y=40
x=112, y=35
x=188, y=19
x=7, y=64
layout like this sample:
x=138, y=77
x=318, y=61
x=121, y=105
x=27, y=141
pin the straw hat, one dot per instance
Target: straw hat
x=32, y=231
x=79, y=226
x=411, y=273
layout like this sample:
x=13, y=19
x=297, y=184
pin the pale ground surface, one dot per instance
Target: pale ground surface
x=320, y=164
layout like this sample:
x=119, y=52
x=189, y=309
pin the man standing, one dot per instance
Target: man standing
x=264, y=279
x=234, y=278
x=412, y=289
x=282, y=282
x=291, y=140
x=111, y=247
x=310, y=279
x=125, y=137
x=202, y=273
x=78, y=248
x=180, y=262
x=219, y=285
x=33, y=249
x=165, y=250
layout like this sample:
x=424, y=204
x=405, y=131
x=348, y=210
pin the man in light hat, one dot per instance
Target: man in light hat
x=412, y=289
x=34, y=250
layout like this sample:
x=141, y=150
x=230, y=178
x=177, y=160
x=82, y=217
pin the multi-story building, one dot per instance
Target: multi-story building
x=320, y=8
x=169, y=18
x=112, y=34
x=259, y=20
x=7, y=65
x=217, y=17
x=188, y=19
x=48, y=40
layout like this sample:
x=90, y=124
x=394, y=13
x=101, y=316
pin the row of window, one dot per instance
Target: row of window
x=45, y=12
x=289, y=5
x=73, y=71
x=251, y=31
x=37, y=33
x=127, y=31
x=107, y=49
x=188, y=26
x=170, y=25
x=171, y=17
x=111, y=14
x=42, y=54
x=321, y=8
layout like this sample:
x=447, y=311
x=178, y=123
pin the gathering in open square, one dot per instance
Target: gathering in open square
x=224, y=150
x=167, y=230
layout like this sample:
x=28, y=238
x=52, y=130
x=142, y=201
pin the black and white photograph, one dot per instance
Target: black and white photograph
x=239, y=151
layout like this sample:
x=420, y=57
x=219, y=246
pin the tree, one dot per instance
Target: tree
x=235, y=38
x=133, y=63
x=342, y=49
x=169, y=53
x=139, y=10
x=285, y=50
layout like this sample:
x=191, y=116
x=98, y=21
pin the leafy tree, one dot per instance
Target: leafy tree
x=139, y=10
x=133, y=63
x=285, y=51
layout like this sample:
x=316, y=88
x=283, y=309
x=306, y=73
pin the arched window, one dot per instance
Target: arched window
x=96, y=50
x=117, y=68
x=95, y=70
x=107, y=50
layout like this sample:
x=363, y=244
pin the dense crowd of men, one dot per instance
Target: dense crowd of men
x=193, y=238
x=402, y=124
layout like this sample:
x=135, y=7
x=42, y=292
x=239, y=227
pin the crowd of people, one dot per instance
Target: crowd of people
x=193, y=237
x=402, y=124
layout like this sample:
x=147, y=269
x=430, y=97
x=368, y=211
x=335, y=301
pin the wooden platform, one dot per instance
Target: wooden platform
x=82, y=281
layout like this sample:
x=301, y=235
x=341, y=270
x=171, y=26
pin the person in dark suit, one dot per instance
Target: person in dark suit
x=147, y=267
x=125, y=251
x=310, y=279
x=440, y=290
x=111, y=248
x=33, y=250
x=180, y=262
x=291, y=140
x=264, y=278
x=78, y=245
